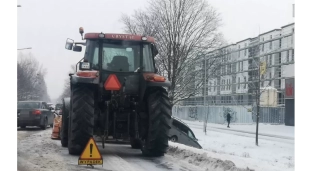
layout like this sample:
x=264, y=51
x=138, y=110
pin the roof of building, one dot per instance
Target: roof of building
x=243, y=40
x=270, y=31
x=288, y=25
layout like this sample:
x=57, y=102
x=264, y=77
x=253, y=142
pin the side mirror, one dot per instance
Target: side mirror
x=77, y=48
x=84, y=66
x=69, y=44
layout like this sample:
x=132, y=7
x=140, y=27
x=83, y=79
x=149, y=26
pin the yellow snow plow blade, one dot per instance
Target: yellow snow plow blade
x=57, y=123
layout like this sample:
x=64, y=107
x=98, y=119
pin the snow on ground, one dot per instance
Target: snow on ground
x=272, y=154
x=38, y=152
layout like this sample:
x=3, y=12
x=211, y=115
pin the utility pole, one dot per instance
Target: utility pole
x=258, y=100
x=205, y=124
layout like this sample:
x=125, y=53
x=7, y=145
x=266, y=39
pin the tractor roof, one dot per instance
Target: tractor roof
x=129, y=37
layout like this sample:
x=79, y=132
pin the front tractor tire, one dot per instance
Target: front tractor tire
x=159, y=116
x=81, y=119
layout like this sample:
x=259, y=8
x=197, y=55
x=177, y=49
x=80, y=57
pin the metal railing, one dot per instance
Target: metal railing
x=240, y=114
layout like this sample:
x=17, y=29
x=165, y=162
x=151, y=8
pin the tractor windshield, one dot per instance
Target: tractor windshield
x=120, y=56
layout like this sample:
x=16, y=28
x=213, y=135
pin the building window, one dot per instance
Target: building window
x=242, y=68
x=269, y=60
x=245, y=52
x=238, y=86
x=245, y=80
x=238, y=67
x=238, y=53
x=293, y=55
x=230, y=68
x=270, y=79
x=280, y=43
x=262, y=47
x=214, y=88
x=271, y=45
x=287, y=56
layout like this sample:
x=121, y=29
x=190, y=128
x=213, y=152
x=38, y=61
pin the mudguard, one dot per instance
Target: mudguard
x=76, y=79
x=159, y=84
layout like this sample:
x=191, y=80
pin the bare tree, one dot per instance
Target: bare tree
x=185, y=31
x=66, y=90
x=30, y=79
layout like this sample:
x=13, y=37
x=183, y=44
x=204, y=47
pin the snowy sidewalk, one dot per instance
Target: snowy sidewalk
x=237, y=144
x=278, y=131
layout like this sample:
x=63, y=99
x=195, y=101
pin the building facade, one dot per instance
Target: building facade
x=237, y=77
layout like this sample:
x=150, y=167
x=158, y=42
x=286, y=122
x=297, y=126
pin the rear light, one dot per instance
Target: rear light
x=154, y=77
x=88, y=74
x=36, y=112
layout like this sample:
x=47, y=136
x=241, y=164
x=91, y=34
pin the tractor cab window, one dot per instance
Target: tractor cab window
x=120, y=57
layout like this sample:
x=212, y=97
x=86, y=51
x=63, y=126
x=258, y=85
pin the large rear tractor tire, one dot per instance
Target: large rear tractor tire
x=81, y=119
x=159, y=117
x=65, y=120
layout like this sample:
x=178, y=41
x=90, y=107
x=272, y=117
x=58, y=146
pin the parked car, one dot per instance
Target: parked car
x=34, y=113
x=181, y=133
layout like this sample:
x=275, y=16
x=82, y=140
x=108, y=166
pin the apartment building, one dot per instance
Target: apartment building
x=235, y=81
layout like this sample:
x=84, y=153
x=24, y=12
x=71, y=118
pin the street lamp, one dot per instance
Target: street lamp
x=24, y=48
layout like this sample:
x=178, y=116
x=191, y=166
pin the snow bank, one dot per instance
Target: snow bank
x=199, y=158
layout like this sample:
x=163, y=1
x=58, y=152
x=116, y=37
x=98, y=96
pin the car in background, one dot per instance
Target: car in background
x=52, y=106
x=181, y=133
x=58, y=108
x=34, y=113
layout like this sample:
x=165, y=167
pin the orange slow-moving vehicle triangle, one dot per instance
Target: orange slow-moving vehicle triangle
x=112, y=83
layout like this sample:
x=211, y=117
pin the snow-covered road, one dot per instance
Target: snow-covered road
x=37, y=152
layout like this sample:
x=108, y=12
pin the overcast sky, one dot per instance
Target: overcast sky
x=45, y=25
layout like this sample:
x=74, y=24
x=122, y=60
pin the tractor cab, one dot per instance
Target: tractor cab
x=128, y=57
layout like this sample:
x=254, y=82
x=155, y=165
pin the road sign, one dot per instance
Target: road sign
x=91, y=154
x=262, y=68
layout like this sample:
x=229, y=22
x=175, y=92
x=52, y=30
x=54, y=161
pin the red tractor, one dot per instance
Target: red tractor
x=117, y=95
